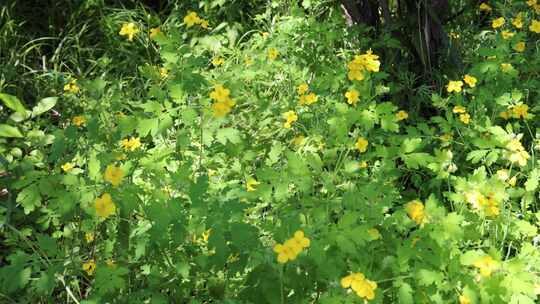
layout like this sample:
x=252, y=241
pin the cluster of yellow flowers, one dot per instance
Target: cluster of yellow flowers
x=486, y=265
x=129, y=29
x=130, y=144
x=457, y=85
x=306, y=99
x=363, y=287
x=463, y=115
x=534, y=4
x=517, y=22
x=78, y=120
x=415, y=210
x=192, y=18
x=488, y=204
x=223, y=103
x=72, y=87
x=361, y=63
x=516, y=111
x=289, y=250
x=516, y=153
x=290, y=117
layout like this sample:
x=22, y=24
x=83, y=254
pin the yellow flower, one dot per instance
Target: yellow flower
x=154, y=32
x=518, y=21
x=485, y=7
x=113, y=175
x=89, y=267
x=110, y=263
x=502, y=174
x=465, y=118
x=129, y=29
x=72, y=87
x=363, y=165
x=289, y=250
x=367, y=61
x=248, y=61
x=89, y=237
x=512, y=181
x=163, y=72
x=459, y=109
x=298, y=140
x=470, y=80
x=363, y=287
x=222, y=108
x=507, y=34
x=311, y=98
x=67, y=167
x=531, y=2
x=217, y=61
x=520, y=111
x=486, y=265
x=446, y=137
x=352, y=96
x=272, y=53
x=520, y=46
x=535, y=26
x=251, y=184
x=302, y=89
x=191, y=19
x=497, y=22
x=402, y=115
x=504, y=115
x=374, y=234
x=105, y=206
x=206, y=235
x=454, y=86
x=506, y=67
x=355, y=75
x=131, y=144
x=361, y=144
x=516, y=152
x=290, y=117
x=370, y=61
x=220, y=93
x=265, y=34
x=415, y=210
x=204, y=23
x=78, y=120
x=463, y=299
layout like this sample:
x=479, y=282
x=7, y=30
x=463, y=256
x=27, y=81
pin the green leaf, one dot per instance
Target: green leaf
x=147, y=126
x=416, y=160
x=13, y=103
x=228, y=134
x=405, y=294
x=44, y=105
x=9, y=131
x=93, y=167
x=427, y=277
x=532, y=182
x=29, y=198
x=109, y=279
x=410, y=144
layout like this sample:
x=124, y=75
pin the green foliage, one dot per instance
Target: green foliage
x=166, y=168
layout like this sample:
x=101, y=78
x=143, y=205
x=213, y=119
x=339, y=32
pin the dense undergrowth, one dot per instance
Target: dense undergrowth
x=265, y=152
